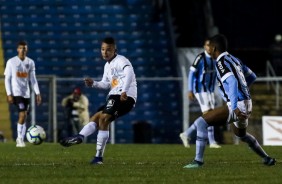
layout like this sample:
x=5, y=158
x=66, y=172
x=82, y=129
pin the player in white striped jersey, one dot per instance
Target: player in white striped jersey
x=234, y=80
x=119, y=77
x=19, y=71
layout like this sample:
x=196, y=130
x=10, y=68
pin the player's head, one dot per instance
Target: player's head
x=218, y=44
x=108, y=48
x=207, y=45
x=22, y=49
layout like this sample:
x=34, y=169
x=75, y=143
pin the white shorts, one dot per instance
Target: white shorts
x=206, y=100
x=244, y=106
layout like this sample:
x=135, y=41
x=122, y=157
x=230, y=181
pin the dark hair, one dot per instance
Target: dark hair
x=207, y=39
x=22, y=42
x=220, y=42
x=109, y=40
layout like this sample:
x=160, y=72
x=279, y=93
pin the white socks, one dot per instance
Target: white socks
x=102, y=139
x=21, y=128
x=88, y=129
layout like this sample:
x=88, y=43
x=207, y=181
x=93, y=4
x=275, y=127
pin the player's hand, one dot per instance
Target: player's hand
x=38, y=99
x=123, y=96
x=191, y=95
x=88, y=82
x=10, y=99
x=240, y=115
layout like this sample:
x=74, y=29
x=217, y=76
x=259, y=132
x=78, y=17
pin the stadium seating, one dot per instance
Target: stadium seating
x=64, y=40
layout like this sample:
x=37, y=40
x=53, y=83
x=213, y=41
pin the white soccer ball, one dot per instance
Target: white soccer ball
x=35, y=134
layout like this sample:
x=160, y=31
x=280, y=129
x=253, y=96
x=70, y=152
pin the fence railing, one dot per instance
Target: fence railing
x=52, y=112
x=275, y=84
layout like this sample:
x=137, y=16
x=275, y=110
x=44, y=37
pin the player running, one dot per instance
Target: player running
x=201, y=83
x=234, y=80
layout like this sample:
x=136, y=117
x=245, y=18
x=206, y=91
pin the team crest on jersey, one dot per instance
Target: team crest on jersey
x=27, y=65
x=110, y=104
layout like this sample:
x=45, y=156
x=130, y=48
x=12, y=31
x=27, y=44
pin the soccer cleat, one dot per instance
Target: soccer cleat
x=184, y=140
x=69, y=141
x=20, y=143
x=193, y=164
x=97, y=161
x=215, y=145
x=269, y=161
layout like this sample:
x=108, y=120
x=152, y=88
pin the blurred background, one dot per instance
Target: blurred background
x=160, y=37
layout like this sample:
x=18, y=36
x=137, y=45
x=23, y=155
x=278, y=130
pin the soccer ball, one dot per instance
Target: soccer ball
x=35, y=134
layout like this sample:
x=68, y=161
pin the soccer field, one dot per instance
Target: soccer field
x=134, y=163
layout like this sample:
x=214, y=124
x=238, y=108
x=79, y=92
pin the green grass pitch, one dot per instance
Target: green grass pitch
x=134, y=163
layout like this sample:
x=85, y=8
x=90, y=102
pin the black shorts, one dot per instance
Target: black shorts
x=21, y=103
x=117, y=108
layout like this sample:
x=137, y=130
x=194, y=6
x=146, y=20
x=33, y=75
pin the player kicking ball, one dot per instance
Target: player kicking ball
x=119, y=77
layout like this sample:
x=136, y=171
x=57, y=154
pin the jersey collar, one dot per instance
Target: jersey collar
x=112, y=58
x=221, y=55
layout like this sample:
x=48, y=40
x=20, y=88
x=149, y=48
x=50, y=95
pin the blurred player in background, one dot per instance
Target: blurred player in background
x=201, y=83
x=77, y=114
x=234, y=79
x=119, y=77
x=19, y=71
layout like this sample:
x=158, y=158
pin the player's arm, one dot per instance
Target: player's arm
x=8, y=83
x=34, y=85
x=191, y=78
x=250, y=76
x=128, y=75
x=103, y=84
x=232, y=84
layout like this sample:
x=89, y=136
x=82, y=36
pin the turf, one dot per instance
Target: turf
x=133, y=163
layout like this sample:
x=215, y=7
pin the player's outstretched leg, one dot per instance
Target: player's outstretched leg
x=269, y=161
x=255, y=146
x=69, y=141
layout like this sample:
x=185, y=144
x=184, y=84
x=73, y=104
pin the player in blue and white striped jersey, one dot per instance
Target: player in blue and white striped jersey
x=201, y=83
x=234, y=80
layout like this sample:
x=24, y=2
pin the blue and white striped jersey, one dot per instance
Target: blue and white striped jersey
x=231, y=68
x=202, y=74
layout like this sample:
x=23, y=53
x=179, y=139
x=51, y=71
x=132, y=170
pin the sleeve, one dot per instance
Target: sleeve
x=232, y=84
x=193, y=69
x=8, y=78
x=129, y=74
x=196, y=62
x=105, y=82
x=33, y=79
x=250, y=76
x=191, y=78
